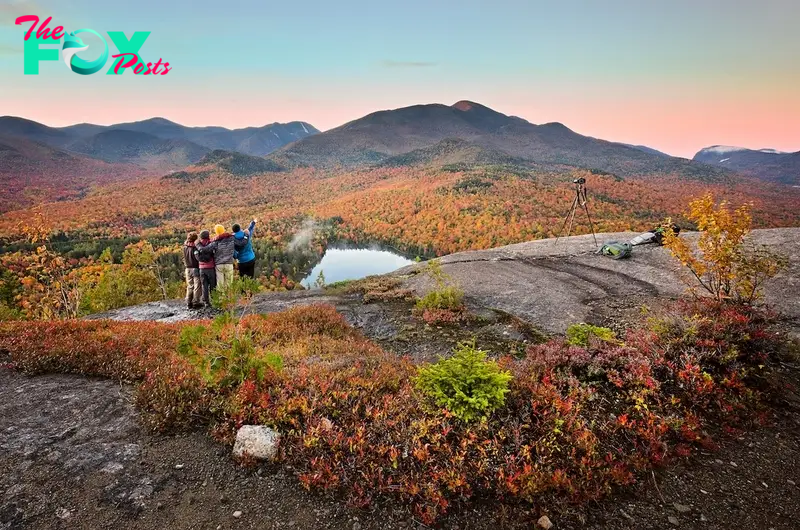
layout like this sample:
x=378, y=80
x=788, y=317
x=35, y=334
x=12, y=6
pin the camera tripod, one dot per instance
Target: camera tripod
x=581, y=200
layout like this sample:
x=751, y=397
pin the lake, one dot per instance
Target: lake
x=339, y=264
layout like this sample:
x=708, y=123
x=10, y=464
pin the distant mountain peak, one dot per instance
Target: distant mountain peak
x=239, y=164
x=159, y=119
x=558, y=128
x=465, y=105
x=766, y=164
x=723, y=149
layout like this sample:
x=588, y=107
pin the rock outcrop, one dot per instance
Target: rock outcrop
x=547, y=283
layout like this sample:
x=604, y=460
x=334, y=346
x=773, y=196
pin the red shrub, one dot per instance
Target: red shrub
x=577, y=422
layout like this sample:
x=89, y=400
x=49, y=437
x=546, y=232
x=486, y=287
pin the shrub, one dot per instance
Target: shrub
x=341, y=284
x=141, y=277
x=47, y=285
x=8, y=313
x=122, y=351
x=239, y=292
x=449, y=297
x=466, y=384
x=576, y=422
x=226, y=354
x=580, y=334
x=445, y=303
x=725, y=267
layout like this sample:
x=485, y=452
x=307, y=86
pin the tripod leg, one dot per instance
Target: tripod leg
x=570, y=212
x=591, y=225
x=572, y=219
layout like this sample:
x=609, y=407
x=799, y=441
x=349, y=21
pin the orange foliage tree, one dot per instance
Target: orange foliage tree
x=722, y=264
x=49, y=283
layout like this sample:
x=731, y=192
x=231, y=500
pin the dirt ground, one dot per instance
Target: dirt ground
x=73, y=456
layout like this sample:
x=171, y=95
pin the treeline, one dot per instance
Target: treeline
x=46, y=276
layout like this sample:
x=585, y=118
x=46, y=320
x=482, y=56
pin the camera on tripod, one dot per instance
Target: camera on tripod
x=580, y=201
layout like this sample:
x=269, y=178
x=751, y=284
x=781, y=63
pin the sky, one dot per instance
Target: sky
x=675, y=75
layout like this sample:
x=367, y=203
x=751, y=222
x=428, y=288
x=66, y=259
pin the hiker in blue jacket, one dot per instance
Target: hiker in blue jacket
x=243, y=244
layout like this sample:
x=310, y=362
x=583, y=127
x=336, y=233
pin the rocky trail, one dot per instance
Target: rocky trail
x=72, y=454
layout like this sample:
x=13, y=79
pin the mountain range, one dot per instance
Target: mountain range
x=156, y=142
x=40, y=163
x=416, y=133
x=765, y=164
x=58, y=162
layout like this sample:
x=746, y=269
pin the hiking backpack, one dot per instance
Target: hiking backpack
x=616, y=250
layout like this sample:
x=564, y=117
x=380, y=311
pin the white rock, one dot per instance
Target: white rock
x=237, y=514
x=544, y=522
x=257, y=441
x=112, y=467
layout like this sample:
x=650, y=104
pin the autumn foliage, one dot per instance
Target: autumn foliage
x=426, y=211
x=574, y=423
x=723, y=264
x=42, y=284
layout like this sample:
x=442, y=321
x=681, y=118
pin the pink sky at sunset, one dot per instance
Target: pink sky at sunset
x=676, y=121
x=675, y=76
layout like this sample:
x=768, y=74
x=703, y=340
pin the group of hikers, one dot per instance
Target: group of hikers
x=209, y=262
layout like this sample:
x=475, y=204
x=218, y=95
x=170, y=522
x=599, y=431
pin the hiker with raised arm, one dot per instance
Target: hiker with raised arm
x=244, y=249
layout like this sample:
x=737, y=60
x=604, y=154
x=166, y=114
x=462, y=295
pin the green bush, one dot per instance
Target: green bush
x=449, y=297
x=466, y=384
x=241, y=290
x=338, y=285
x=578, y=334
x=7, y=313
x=225, y=354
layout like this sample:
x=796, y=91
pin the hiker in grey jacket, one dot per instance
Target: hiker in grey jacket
x=224, y=248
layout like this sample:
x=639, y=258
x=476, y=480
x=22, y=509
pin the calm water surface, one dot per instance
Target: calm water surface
x=339, y=264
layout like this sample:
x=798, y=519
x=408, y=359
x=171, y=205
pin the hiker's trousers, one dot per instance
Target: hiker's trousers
x=224, y=276
x=209, y=279
x=194, y=288
x=248, y=269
